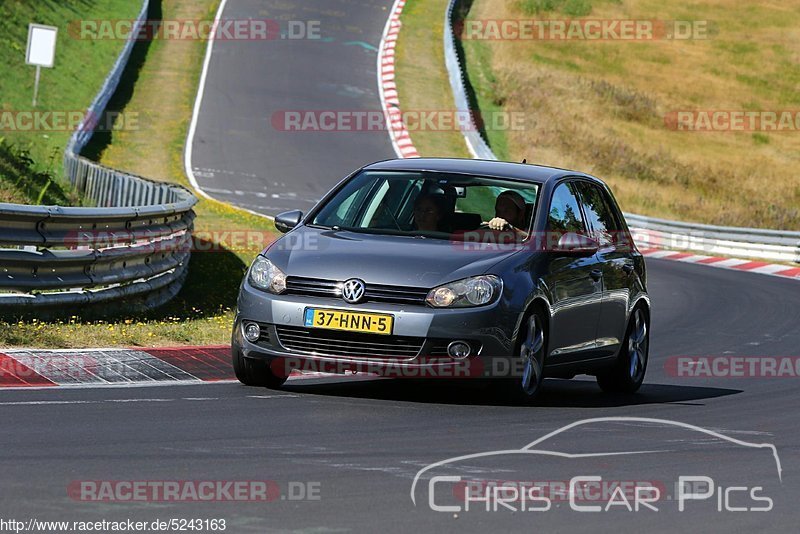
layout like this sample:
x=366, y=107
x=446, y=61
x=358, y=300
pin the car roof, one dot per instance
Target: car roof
x=480, y=167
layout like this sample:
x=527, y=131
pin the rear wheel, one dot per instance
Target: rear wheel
x=252, y=372
x=627, y=374
x=526, y=388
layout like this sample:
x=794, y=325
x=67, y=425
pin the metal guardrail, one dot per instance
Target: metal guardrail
x=476, y=144
x=764, y=244
x=773, y=245
x=135, y=243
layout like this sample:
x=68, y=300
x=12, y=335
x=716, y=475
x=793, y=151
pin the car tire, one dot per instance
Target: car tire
x=258, y=373
x=526, y=388
x=627, y=373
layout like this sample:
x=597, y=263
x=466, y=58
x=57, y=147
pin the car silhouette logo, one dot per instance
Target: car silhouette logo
x=353, y=290
x=535, y=449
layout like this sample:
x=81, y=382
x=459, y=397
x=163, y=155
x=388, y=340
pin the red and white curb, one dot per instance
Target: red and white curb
x=736, y=264
x=387, y=88
x=26, y=368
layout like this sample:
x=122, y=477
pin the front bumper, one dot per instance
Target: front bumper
x=489, y=327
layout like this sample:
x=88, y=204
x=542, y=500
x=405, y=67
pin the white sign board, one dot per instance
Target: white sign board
x=41, y=45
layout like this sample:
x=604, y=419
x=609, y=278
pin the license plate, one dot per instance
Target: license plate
x=373, y=323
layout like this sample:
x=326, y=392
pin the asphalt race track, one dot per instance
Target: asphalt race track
x=342, y=452
x=240, y=152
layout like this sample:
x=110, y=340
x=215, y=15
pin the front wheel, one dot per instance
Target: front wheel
x=526, y=388
x=627, y=373
x=252, y=372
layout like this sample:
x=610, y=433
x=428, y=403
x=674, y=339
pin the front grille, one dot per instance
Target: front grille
x=263, y=338
x=348, y=344
x=317, y=287
x=438, y=348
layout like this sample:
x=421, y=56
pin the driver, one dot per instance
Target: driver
x=429, y=213
x=509, y=209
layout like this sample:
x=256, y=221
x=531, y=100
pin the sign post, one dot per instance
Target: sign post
x=41, y=51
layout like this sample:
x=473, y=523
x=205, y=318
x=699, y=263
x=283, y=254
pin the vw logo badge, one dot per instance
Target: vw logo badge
x=353, y=290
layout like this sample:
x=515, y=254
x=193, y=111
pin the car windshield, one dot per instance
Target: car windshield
x=430, y=204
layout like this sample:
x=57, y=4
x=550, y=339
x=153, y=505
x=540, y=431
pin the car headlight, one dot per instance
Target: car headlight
x=265, y=275
x=475, y=291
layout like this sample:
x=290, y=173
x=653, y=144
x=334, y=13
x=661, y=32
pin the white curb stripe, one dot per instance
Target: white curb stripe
x=736, y=264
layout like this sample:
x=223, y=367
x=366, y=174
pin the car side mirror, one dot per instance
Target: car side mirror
x=288, y=220
x=573, y=244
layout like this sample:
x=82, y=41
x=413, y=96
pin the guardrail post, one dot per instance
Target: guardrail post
x=90, y=185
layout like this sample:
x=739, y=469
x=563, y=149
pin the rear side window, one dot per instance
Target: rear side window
x=602, y=222
x=600, y=215
x=565, y=214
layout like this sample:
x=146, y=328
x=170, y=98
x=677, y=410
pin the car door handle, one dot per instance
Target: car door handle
x=596, y=274
x=628, y=268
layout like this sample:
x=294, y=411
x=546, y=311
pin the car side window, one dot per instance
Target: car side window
x=565, y=214
x=599, y=214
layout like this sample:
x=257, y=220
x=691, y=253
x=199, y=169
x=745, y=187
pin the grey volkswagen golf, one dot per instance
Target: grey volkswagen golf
x=450, y=268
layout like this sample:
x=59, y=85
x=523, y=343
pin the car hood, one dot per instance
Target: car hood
x=379, y=259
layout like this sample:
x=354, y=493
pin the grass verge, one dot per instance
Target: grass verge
x=422, y=82
x=30, y=155
x=22, y=183
x=165, y=74
x=600, y=107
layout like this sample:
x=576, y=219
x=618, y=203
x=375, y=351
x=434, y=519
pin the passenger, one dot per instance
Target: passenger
x=509, y=209
x=429, y=213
